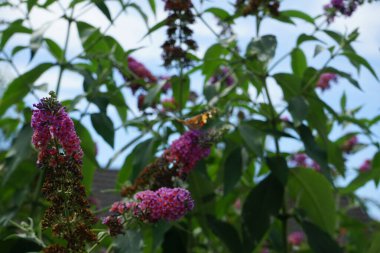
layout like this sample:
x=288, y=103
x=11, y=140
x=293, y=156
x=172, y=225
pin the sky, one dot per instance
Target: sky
x=129, y=30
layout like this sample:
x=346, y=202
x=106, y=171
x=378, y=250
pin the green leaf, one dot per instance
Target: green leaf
x=21, y=86
x=104, y=127
x=87, y=143
x=30, y=4
x=226, y=233
x=264, y=48
x=360, y=180
x=360, y=60
x=85, y=31
x=152, y=4
x=253, y=138
x=181, y=89
x=313, y=150
x=219, y=13
x=153, y=94
x=55, y=49
x=343, y=102
x=88, y=171
x=17, y=49
x=263, y=201
x=317, y=50
x=158, y=232
x=305, y=37
x=176, y=240
x=298, y=14
x=339, y=38
x=155, y=28
x=142, y=155
x=314, y=195
x=290, y=84
x=103, y=8
x=19, y=245
x=319, y=240
x=375, y=244
x=279, y=168
x=37, y=38
x=335, y=156
x=299, y=109
x=213, y=58
x=375, y=170
x=8, y=126
x=233, y=168
x=90, y=164
x=19, y=151
x=130, y=241
x=15, y=27
x=299, y=63
x=318, y=119
x=343, y=74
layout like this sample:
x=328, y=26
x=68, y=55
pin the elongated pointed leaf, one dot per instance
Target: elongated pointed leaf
x=314, y=195
x=21, y=86
x=298, y=14
x=14, y=28
x=103, y=8
x=233, y=168
x=299, y=63
x=104, y=127
x=319, y=240
x=262, y=202
x=360, y=60
x=226, y=233
x=279, y=168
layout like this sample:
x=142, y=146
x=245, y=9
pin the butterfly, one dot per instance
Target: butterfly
x=199, y=120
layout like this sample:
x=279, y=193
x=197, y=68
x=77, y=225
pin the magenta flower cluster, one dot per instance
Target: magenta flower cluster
x=344, y=7
x=186, y=151
x=296, y=238
x=168, y=204
x=52, y=125
x=140, y=71
x=302, y=160
x=223, y=75
x=366, y=166
x=325, y=80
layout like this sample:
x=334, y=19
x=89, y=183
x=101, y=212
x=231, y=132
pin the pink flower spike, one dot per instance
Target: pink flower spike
x=186, y=151
x=166, y=203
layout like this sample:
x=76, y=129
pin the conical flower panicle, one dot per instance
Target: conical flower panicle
x=169, y=204
x=60, y=155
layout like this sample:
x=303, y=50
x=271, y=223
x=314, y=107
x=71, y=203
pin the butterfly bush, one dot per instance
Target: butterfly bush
x=60, y=156
x=176, y=162
x=366, y=166
x=344, y=7
x=169, y=204
x=223, y=75
x=186, y=151
x=140, y=72
x=302, y=160
x=325, y=80
x=179, y=41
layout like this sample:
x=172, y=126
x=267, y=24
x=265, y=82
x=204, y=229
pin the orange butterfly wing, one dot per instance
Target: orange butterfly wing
x=198, y=121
